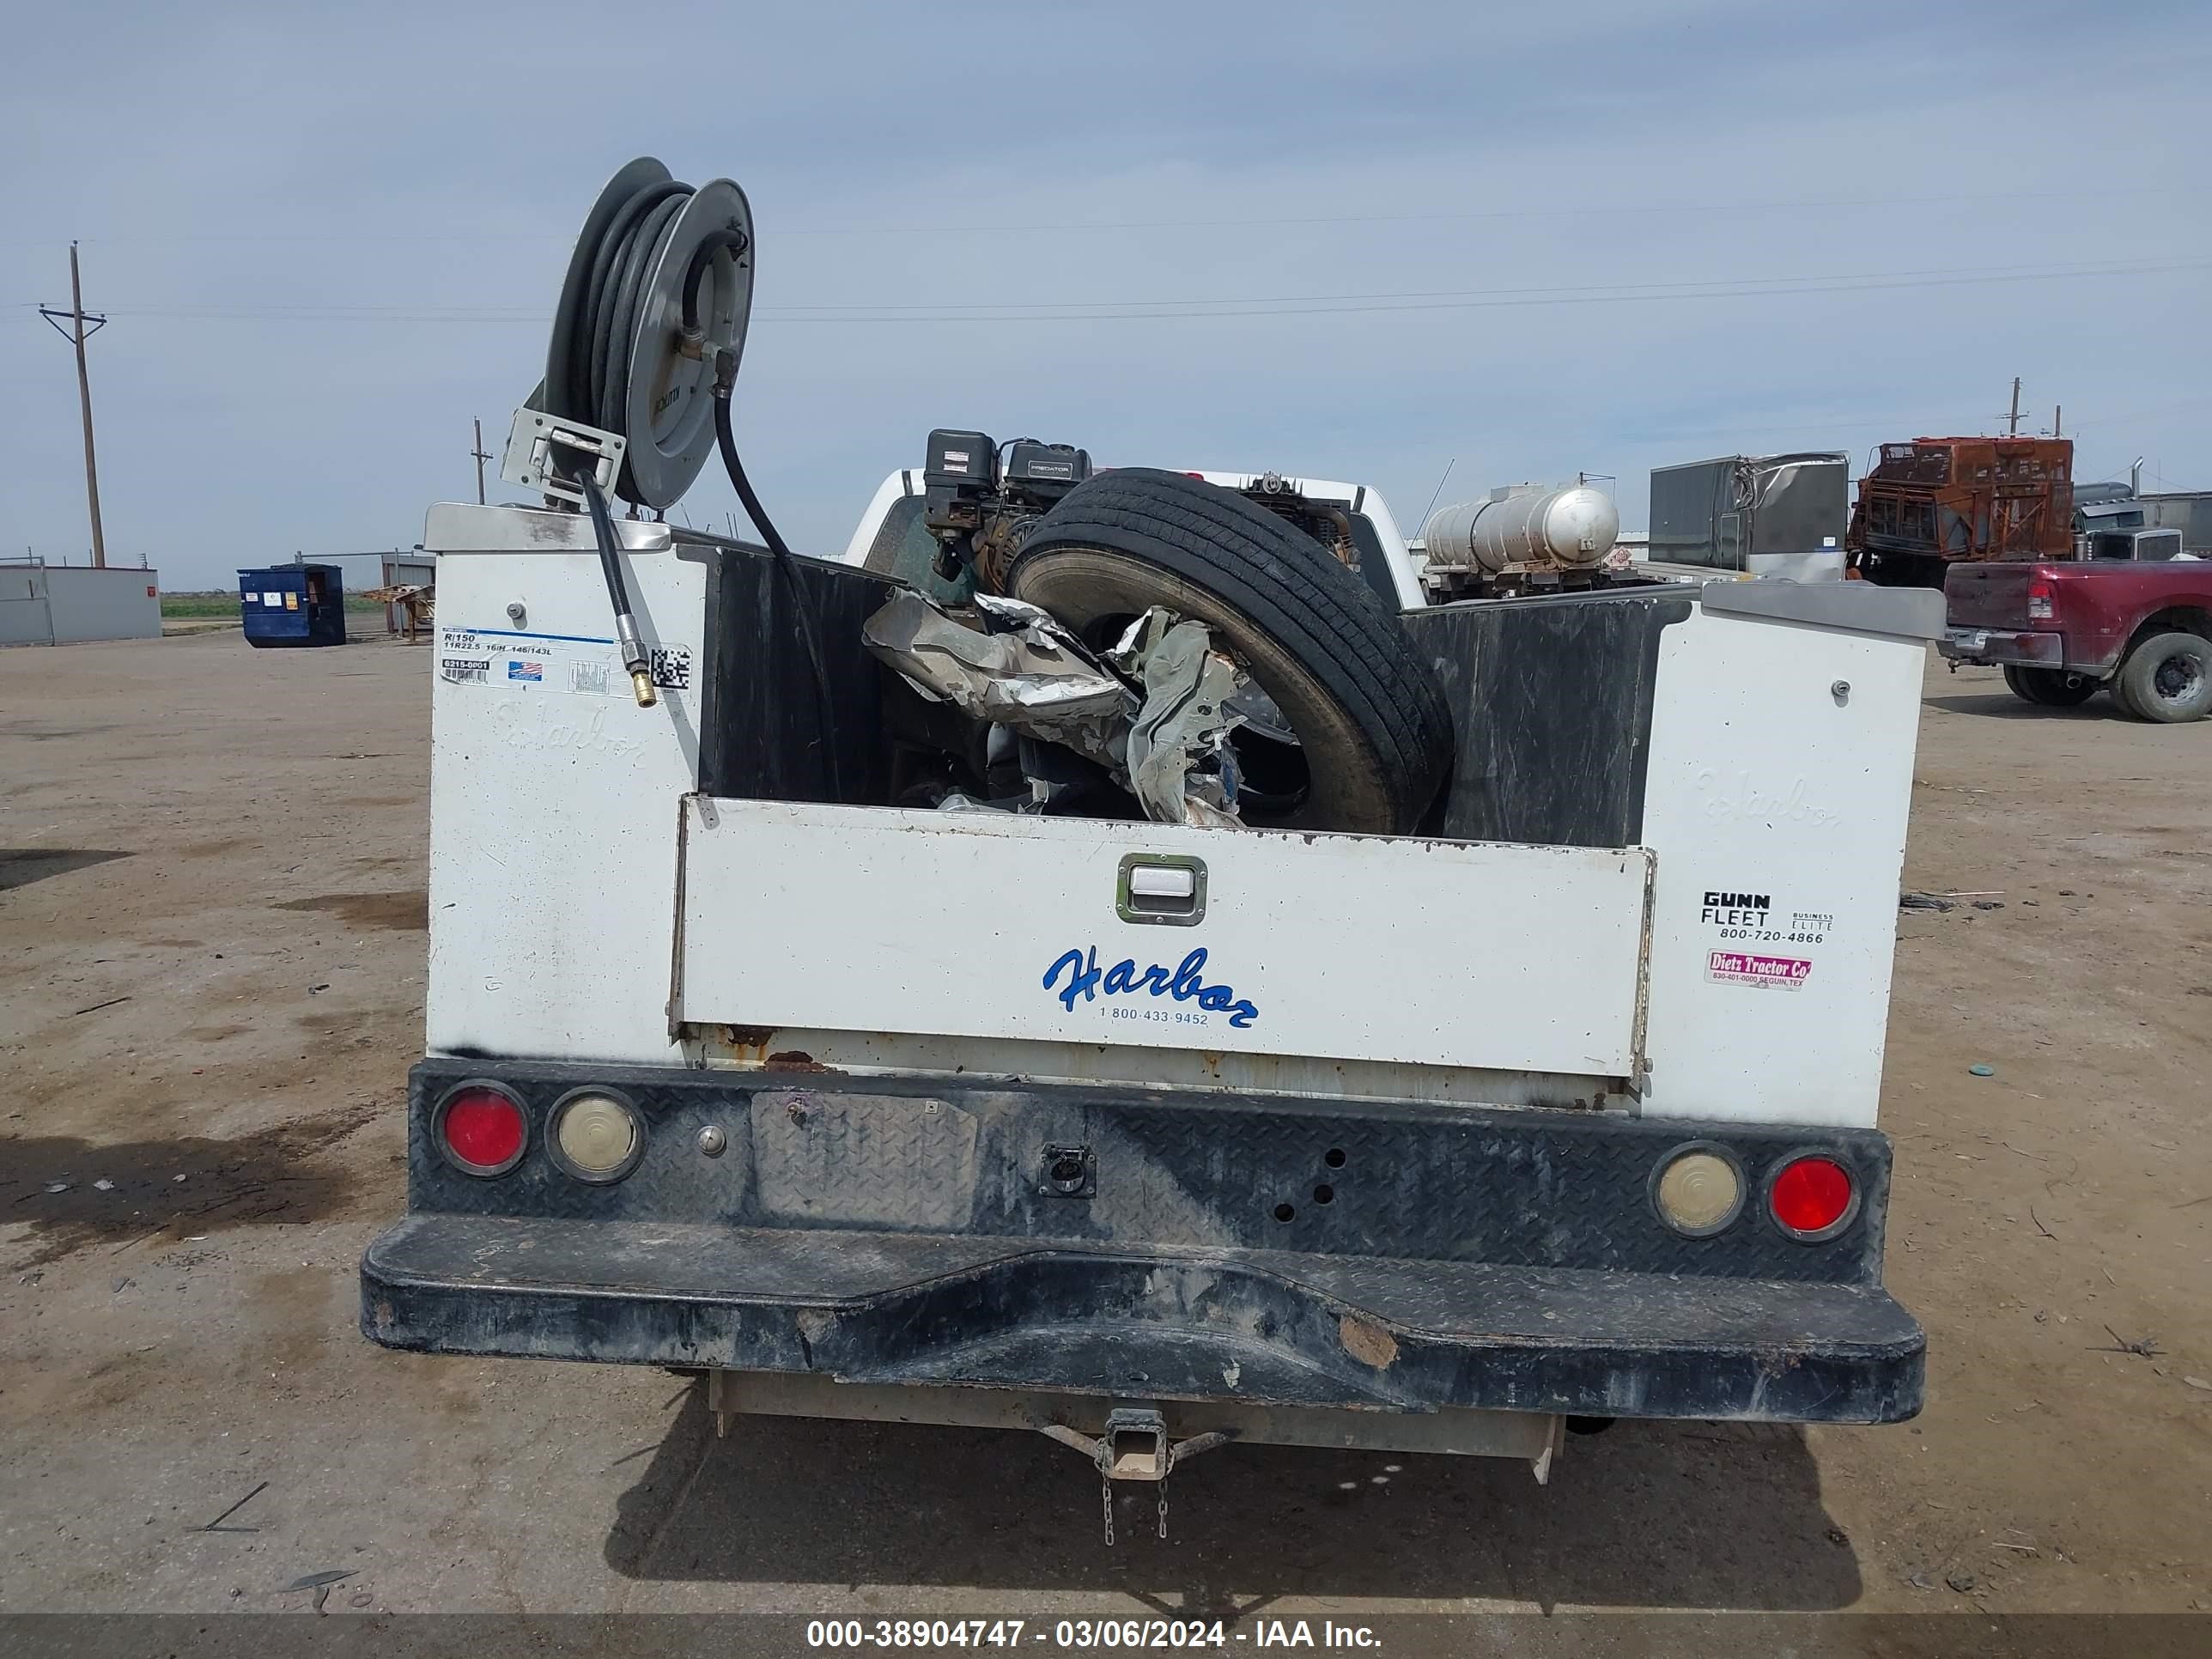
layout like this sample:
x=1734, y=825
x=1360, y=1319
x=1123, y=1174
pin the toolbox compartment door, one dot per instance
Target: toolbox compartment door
x=988, y=925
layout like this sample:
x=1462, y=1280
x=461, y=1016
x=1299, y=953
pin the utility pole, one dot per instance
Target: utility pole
x=2012, y=427
x=78, y=333
x=478, y=451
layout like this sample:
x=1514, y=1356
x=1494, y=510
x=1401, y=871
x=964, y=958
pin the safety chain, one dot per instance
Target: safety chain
x=1105, y=1460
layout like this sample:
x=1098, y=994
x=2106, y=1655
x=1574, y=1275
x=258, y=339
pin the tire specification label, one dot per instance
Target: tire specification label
x=553, y=663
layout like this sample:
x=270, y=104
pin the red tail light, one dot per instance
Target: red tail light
x=1812, y=1197
x=481, y=1129
x=2040, y=593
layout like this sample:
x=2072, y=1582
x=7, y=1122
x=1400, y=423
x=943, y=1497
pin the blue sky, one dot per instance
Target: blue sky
x=1537, y=240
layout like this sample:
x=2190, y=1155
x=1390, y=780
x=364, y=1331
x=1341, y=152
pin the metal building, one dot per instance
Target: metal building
x=43, y=603
x=1761, y=515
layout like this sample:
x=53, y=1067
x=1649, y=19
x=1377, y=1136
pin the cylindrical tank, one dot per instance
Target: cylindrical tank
x=1573, y=526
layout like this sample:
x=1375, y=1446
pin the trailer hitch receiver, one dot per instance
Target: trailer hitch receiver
x=1134, y=1447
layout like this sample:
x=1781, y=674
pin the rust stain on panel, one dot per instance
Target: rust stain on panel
x=1367, y=1342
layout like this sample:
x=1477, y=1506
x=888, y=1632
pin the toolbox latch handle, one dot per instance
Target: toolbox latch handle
x=1164, y=889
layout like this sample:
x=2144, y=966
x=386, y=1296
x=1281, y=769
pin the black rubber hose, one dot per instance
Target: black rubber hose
x=635, y=663
x=610, y=349
x=725, y=439
x=603, y=526
x=588, y=380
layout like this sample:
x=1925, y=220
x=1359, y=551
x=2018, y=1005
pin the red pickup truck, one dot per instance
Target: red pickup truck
x=2061, y=631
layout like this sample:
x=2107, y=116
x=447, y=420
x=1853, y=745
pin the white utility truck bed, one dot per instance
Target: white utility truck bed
x=1116, y=954
x=1381, y=1126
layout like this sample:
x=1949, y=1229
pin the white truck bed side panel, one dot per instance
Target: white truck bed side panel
x=553, y=796
x=1777, y=804
x=990, y=925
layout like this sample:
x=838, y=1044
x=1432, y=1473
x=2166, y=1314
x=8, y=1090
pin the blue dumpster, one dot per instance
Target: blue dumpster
x=293, y=604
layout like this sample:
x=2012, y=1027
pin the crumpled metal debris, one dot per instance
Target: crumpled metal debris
x=1029, y=673
x=1166, y=740
x=1180, y=767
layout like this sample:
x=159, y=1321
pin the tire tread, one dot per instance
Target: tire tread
x=1289, y=585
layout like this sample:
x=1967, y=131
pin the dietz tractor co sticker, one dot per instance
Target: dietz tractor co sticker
x=1741, y=968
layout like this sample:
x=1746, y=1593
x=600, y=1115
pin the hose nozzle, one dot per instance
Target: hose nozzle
x=635, y=661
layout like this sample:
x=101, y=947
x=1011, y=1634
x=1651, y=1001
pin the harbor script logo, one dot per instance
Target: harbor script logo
x=1185, y=984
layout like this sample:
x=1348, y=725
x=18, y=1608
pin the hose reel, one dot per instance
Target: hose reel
x=646, y=339
x=659, y=286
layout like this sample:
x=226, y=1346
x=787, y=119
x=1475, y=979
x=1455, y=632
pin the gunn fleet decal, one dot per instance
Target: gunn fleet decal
x=1184, y=983
x=1752, y=917
x=1736, y=909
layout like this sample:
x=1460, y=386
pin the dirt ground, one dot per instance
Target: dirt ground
x=211, y=958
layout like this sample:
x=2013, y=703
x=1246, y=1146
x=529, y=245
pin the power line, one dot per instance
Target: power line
x=1545, y=291
x=1471, y=215
x=1778, y=288
x=356, y=237
x=2148, y=414
x=1001, y=308
x=1252, y=306
x=1439, y=490
x=1852, y=420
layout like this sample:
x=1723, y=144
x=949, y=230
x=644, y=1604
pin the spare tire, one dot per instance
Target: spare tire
x=1374, y=733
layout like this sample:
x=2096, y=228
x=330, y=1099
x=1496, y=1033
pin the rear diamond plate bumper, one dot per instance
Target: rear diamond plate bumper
x=905, y=1231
